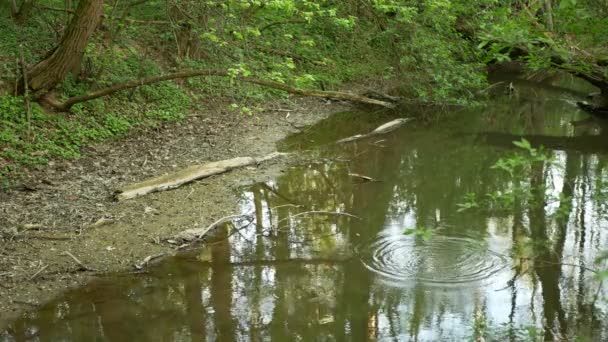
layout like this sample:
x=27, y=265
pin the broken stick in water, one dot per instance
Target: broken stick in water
x=188, y=175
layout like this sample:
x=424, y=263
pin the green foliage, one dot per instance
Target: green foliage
x=421, y=232
x=520, y=167
x=469, y=202
x=578, y=39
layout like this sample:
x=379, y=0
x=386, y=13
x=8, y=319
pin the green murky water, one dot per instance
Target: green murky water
x=504, y=256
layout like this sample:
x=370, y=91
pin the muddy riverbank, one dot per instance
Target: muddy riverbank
x=61, y=226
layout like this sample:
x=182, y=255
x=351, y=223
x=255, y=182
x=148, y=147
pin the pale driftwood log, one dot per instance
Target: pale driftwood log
x=385, y=128
x=188, y=175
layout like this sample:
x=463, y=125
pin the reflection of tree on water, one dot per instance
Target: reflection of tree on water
x=196, y=314
x=370, y=201
x=221, y=288
x=585, y=134
x=547, y=259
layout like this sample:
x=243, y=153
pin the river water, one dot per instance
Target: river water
x=460, y=235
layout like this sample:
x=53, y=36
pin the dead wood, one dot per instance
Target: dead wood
x=39, y=271
x=188, y=175
x=363, y=177
x=335, y=95
x=198, y=233
x=322, y=212
x=382, y=129
x=147, y=260
x=83, y=267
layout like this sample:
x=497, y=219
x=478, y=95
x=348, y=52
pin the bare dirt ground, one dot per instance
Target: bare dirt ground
x=62, y=226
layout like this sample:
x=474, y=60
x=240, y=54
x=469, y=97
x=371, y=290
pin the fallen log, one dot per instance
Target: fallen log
x=382, y=129
x=188, y=175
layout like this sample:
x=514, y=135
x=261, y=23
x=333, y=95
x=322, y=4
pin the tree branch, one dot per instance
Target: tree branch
x=55, y=9
x=336, y=95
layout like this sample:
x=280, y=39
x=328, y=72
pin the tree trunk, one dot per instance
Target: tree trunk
x=186, y=39
x=549, y=15
x=21, y=14
x=14, y=9
x=51, y=71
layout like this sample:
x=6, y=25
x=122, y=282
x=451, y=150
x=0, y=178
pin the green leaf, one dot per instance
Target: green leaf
x=523, y=143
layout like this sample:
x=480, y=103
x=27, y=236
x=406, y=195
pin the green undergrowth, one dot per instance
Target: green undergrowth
x=315, y=48
x=31, y=142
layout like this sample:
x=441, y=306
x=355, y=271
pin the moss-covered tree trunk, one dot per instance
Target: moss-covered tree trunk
x=66, y=57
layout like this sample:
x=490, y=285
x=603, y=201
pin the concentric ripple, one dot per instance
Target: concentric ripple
x=439, y=260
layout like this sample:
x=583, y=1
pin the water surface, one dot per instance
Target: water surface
x=293, y=270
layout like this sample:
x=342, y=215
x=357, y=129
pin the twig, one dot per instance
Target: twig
x=326, y=213
x=195, y=234
x=39, y=271
x=320, y=212
x=490, y=87
x=148, y=22
x=147, y=260
x=278, y=110
x=23, y=302
x=286, y=205
x=238, y=231
x=31, y=226
x=55, y=9
x=50, y=238
x=190, y=193
x=82, y=266
x=217, y=223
